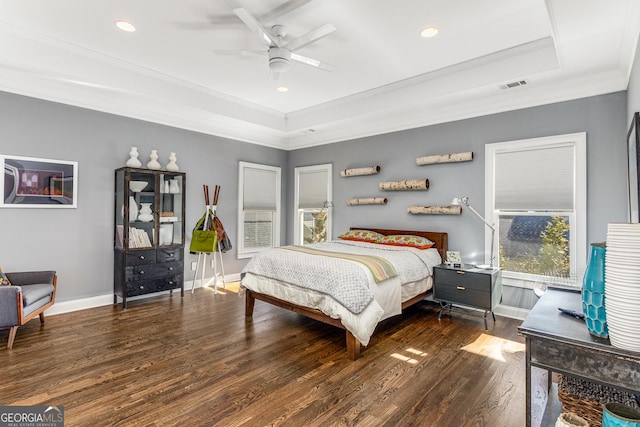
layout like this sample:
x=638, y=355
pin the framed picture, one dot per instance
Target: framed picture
x=633, y=153
x=30, y=182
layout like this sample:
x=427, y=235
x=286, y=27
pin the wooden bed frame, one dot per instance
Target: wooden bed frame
x=353, y=345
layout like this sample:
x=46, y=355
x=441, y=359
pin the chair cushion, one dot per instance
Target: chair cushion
x=32, y=293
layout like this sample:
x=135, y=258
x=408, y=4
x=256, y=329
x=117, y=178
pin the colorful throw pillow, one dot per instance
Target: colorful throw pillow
x=361, y=236
x=4, y=280
x=406, y=240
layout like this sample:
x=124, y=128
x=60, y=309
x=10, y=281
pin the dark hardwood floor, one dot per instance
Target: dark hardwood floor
x=198, y=362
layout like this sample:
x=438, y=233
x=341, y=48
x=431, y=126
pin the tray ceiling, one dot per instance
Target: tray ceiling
x=171, y=69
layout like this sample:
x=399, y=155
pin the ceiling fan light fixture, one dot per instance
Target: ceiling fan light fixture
x=279, y=59
x=429, y=32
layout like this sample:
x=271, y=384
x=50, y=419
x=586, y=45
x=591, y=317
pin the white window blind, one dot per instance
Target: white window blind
x=312, y=189
x=259, y=189
x=535, y=179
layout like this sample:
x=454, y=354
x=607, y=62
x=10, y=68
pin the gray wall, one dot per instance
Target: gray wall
x=603, y=118
x=78, y=243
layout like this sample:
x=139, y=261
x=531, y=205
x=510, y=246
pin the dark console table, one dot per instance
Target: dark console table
x=561, y=343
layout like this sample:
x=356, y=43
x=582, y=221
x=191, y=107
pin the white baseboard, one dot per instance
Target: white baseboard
x=102, y=300
x=79, y=304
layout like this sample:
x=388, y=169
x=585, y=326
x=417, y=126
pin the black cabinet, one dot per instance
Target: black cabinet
x=149, y=232
x=470, y=287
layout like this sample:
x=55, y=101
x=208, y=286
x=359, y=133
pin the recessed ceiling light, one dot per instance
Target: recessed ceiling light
x=125, y=26
x=429, y=32
x=282, y=89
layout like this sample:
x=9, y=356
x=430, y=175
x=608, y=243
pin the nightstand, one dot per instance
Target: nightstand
x=468, y=286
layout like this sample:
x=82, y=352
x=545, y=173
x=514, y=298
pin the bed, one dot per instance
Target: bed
x=363, y=288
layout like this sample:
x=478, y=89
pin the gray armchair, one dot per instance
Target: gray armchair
x=29, y=296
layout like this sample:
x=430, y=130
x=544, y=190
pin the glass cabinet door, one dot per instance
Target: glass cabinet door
x=120, y=207
x=171, y=215
x=142, y=208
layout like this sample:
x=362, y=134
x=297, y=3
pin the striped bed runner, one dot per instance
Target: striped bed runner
x=380, y=268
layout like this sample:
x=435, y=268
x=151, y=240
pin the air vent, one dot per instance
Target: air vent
x=511, y=85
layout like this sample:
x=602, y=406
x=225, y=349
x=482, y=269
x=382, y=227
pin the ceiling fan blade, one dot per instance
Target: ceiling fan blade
x=239, y=52
x=311, y=36
x=312, y=62
x=256, y=27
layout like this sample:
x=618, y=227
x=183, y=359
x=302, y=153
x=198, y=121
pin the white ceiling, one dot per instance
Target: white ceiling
x=386, y=76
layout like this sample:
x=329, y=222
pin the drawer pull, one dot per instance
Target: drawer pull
x=141, y=286
x=170, y=282
x=460, y=288
x=170, y=254
x=141, y=272
x=141, y=256
x=170, y=268
x=460, y=272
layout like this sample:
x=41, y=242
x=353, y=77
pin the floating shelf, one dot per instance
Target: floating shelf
x=367, y=201
x=445, y=158
x=369, y=170
x=435, y=210
x=409, y=184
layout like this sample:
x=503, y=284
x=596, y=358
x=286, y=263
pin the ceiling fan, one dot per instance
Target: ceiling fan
x=280, y=51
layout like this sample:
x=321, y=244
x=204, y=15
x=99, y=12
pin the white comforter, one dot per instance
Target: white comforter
x=382, y=299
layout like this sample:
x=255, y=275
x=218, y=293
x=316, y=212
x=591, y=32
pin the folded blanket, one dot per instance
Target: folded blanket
x=380, y=268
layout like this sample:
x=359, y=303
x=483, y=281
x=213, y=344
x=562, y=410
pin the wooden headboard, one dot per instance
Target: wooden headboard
x=440, y=239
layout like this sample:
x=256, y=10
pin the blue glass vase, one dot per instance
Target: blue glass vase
x=593, y=292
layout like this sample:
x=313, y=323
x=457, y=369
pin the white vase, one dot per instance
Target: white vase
x=133, y=161
x=172, y=166
x=146, y=215
x=173, y=186
x=133, y=209
x=153, y=164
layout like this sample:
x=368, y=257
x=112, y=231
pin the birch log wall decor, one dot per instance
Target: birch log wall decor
x=409, y=184
x=369, y=170
x=435, y=210
x=367, y=201
x=445, y=158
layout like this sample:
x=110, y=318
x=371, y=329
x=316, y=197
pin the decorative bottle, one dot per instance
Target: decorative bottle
x=153, y=164
x=172, y=166
x=146, y=214
x=174, y=187
x=593, y=292
x=133, y=161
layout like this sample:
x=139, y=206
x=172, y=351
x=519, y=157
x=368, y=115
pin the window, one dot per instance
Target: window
x=536, y=195
x=312, y=204
x=258, y=208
